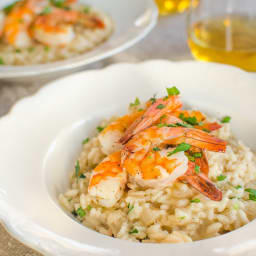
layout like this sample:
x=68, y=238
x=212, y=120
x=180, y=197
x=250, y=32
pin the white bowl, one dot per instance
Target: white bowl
x=41, y=138
x=133, y=21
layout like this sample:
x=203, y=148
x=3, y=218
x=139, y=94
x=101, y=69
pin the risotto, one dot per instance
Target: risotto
x=178, y=211
x=58, y=30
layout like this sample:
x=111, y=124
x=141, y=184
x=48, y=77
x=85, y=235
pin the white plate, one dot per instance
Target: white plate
x=133, y=20
x=41, y=138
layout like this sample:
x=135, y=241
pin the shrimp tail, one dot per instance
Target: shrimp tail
x=153, y=114
x=201, y=183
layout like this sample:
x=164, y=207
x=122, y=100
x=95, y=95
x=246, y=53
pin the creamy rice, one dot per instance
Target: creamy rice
x=168, y=215
x=84, y=41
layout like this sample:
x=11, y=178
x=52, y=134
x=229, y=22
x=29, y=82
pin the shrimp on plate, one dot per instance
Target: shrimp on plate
x=16, y=24
x=108, y=180
x=147, y=161
x=157, y=148
x=55, y=28
x=123, y=128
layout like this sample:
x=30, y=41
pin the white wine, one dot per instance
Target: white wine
x=230, y=40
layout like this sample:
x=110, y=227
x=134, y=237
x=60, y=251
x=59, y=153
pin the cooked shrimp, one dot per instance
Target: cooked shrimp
x=140, y=163
x=108, y=181
x=152, y=115
x=56, y=28
x=17, y=22
x=110, y=136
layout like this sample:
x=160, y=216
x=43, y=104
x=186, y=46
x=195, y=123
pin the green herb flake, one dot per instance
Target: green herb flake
x=134, y=231
x=179, y=148
x=82, y=176
x=156, y=149
x=153, y=99
x=221, y=177
x=81, y=212
x=46, y=10
x=197, y=168
x=46, y=48
x=236, y=207
x=206, y=130
x=1, y=61
x=190, y=120
x=58, y=3
x=191, y=158
x=89, y=207
x=182, y=217
x=161, y=125
x=238, y=187
x=172, y=91
x=18, y=50
x=197, y=155
x=85, y=141
x=7, y=9
x=100, y=128
x=252, y=193
x=160, y=106
x=130, y=207
x=31, y=49
x=86, y=9
x=226, y=119
x=135, y=103
x=140, y=109
x=77, y=168
x=162, y=117
x=196, y=200
x=184, y=125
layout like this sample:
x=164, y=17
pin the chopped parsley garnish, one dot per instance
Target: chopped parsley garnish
x=1, y=61
x=238, y=187
x=190, y=120
x=197, y=168
x=160, y=106
x=172, y=91
x=191, y=158
x=226, y=119
x=7, y=9
x=46, y=10
x=81, y=212
x=100, y=128
x=184, y=125
x=140, y=109
x=179, y=148
x=82, y=176
x=89, y=207
x=182, y=217
x=162, y=117
x=236, y=207
x=197, y=155
x=58, y=3
x=46, y=48
x=135, y=103
x=206, y=130
x=77, y=168
x=31, y=49
x=130, y=207
x=252, y=193
x=153, y=99
x=18, y=50
x=221, y=177
x=156, y=149
x=85, y=141
x=134, y=231
x=161, y=125
x=196, y=200
x=86, y=9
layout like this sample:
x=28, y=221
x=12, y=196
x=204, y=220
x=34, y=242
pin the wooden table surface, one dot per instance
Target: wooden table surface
x=166, y=41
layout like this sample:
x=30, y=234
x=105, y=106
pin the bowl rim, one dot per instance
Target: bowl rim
x=12, y=71
x=18, y=231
